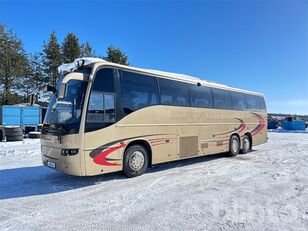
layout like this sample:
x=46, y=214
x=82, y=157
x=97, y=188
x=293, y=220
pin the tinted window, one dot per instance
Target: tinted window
x=173, y=92
x=262, y=103
x=200, y=96
x=137, y=91
x=253, y=102
x=222, y=99
x=101, y=105
x=238, y=101
x=104, y=81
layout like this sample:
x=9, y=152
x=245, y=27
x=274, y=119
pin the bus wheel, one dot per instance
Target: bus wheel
x=135, y=161
x=246, y=145
x=234, y=146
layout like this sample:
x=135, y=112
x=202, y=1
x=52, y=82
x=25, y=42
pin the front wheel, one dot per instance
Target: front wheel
x=234, y=146
x=135, y=161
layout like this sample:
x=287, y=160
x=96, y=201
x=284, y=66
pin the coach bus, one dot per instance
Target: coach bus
x=105, y=117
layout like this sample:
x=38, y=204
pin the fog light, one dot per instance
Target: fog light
x=69, y=152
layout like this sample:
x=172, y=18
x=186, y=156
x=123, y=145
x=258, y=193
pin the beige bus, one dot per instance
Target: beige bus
x=105, y=117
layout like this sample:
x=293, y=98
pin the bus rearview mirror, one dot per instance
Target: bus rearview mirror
x=31, y=99
x=50, y=88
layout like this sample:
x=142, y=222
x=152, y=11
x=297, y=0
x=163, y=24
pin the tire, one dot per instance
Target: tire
x=12, y=129
x=34, y=135
x=246, y=145
x=135, y=161
x=1, y=135
x=234, y=146
x=18, y=133
x=14, y=138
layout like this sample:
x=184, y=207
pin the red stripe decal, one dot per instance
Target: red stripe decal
x=100, y=158
x=260, y=126
x=243, y=127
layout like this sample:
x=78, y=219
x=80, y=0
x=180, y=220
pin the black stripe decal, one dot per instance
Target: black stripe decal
x=225, y=133
x=104, y=146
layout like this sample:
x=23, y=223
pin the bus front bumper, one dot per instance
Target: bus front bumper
x=69, y=164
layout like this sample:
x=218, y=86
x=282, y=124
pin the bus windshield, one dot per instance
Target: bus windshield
x=63, y=115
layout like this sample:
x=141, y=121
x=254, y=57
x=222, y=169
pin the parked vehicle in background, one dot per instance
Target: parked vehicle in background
x=25, y=117
x=272, y=122
x=293, y=123
x=106, y=117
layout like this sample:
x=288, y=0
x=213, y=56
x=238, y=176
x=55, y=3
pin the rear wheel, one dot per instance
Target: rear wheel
x=135, y=161
x=246, y=145
x=234, y=146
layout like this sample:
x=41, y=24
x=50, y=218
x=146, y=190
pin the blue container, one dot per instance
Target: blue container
x=293, y=125
x=22, y=116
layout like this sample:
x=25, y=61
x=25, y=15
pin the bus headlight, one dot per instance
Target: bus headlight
x=69, y=152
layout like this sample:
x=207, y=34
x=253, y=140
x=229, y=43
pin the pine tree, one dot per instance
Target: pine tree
x=87, y=50
x=13, y=64
x=52, y=58
x=115, y=55
x=37, y=77
x=70, y=48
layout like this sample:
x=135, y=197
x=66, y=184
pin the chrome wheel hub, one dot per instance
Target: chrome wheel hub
x=136, y=161
x=234, y=146
x=246, y=144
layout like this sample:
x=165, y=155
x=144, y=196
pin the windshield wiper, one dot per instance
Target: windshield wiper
x=58, y=129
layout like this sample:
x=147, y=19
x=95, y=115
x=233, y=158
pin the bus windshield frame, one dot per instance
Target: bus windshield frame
x=63, y=115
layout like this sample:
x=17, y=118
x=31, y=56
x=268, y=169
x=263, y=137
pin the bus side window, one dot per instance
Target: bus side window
x=262, y=103
x=238, y=101
x=137, y=91
x=200, y=96
x=173, y=92
x=101, y=105
x=222, y=99
x=253, y=102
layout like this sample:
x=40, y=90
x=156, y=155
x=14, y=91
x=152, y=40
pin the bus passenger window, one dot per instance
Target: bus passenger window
x=238, y=101
x=262, y=103
x=137, y=91
x=222, y=99
x=253, y=102
x=200, y=96
x=173, y=92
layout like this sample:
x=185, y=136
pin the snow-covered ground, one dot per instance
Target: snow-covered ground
x=266, y=189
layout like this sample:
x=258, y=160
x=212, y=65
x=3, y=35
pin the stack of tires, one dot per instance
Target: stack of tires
x=34, y=135
x=13, y=133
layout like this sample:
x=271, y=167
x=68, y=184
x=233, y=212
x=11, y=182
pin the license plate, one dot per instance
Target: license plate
x=51, y=164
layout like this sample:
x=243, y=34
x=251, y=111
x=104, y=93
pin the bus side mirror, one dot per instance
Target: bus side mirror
x=50, y=88
x=31, y=99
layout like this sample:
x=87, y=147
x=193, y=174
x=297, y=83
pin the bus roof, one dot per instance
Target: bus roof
x=69, y=67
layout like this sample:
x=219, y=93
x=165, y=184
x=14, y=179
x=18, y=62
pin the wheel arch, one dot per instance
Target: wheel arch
x=143, y=143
